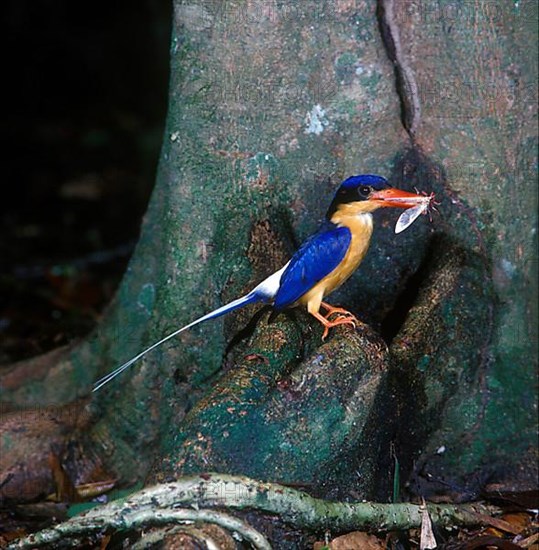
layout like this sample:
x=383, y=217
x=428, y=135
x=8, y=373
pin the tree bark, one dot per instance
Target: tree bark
x=271, y=104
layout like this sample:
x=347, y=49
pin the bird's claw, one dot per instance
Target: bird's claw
x=341, y=320
x=343, y=313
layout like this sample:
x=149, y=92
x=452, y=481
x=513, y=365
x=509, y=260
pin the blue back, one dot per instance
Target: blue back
x=317, y=257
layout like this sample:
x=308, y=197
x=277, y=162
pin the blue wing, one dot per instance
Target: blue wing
x=318, y=256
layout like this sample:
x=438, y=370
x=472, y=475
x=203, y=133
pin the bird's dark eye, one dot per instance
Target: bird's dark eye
x=364, y=190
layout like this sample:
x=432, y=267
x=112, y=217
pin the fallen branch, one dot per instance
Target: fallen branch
x=159, y=505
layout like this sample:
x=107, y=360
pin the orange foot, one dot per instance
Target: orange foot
x=346, y=318
x=331, y=310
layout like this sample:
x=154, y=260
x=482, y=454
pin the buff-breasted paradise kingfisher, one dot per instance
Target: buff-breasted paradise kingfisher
x=322, y=263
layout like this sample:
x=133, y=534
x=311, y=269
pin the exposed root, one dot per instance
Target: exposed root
x=159, y=504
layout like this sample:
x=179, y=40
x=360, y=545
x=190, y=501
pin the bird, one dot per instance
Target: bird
x=321, y=264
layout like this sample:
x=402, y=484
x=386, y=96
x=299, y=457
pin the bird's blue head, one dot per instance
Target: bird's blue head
x=365, y=180
x=366, y=193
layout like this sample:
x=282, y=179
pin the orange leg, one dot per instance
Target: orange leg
x=331, y=310
x=343, y=320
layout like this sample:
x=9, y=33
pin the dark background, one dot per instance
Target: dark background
x=86, y=87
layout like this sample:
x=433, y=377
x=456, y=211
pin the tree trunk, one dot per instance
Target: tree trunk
x=271, y=105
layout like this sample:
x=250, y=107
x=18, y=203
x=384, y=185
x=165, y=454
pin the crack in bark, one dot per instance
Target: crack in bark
x=405, y=81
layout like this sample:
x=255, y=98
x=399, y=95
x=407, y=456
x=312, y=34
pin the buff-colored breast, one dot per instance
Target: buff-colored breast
x=360, y=225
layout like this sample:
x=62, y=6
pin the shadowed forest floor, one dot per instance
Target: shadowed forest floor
x=81, y=144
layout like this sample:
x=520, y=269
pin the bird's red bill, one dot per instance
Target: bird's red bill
x=397, y=198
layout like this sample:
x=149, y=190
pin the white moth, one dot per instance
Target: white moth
x=408, y=217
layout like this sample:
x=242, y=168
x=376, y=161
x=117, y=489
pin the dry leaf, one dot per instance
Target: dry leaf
x=500, y=524
x=529, y=542
x=65, y=490
x=485, y=541
x=354, y=541
x=95, y=489
x=427, y=540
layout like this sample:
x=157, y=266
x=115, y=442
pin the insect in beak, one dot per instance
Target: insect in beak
x=423, y=204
